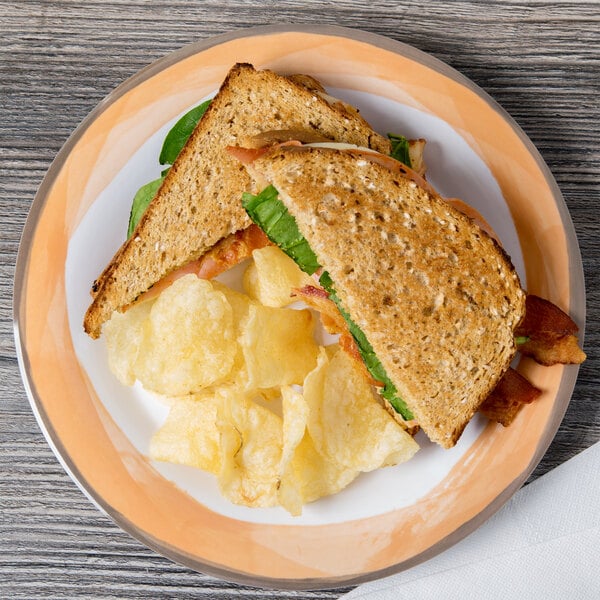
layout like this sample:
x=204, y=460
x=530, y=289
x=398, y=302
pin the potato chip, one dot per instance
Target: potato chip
x=305, y=475
x=189, y=339
x=251, y=449
x=347, y=423
x=278, y=345
x=295, y=417
x=123, y=335
x=272, y=276
x=240, y=304
x=310, y=476
x=190, y=435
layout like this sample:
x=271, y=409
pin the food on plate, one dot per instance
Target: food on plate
x=190, y=435
x=268, y=337
x=331, y=217
x=198, y=203
x=548, y=334
x=508, y=397
x=187, y=341
x=269, y=276
x=340, y=398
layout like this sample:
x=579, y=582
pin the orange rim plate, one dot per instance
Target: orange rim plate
x=109, y=466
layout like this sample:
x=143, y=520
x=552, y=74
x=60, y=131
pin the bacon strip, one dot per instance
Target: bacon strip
x=248, y=155
x=232, y=250
x=511, y=393
x=316, y=297
x=551, y=334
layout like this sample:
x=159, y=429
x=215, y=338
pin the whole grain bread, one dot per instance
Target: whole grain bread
x=437, y=298
x=199, y=202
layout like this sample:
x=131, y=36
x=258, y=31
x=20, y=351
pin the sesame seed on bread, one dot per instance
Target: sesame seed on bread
x=436, y=297
x=199, y=202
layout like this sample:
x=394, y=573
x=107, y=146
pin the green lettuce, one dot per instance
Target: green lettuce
x=400, y=149
x=142, y=198
x=180, y=133
x=271, y=215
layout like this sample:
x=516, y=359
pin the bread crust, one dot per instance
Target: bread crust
x=436, y=296
x=199, y=202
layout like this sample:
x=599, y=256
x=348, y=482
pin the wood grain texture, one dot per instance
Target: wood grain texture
x=538, y=59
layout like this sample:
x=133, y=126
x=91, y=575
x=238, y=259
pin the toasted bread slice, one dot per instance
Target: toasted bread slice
x=199, y=202
x=436, y=296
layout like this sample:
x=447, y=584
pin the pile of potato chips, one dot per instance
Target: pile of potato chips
x=278, y=419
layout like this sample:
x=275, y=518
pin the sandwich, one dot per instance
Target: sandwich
x=197, y=205
x=432, y=300
x=418, y=287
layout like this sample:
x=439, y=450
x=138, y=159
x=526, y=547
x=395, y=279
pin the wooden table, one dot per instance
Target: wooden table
x=58, y=59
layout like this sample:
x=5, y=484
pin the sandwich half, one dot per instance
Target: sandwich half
x=435, y=297
x=198, y=204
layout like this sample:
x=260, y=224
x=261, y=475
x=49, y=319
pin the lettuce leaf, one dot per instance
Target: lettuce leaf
x=142, y=198
x=179, y=134
x=400, y=149
x=271, y=215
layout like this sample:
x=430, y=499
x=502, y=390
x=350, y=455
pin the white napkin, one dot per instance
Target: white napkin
x=543, y=544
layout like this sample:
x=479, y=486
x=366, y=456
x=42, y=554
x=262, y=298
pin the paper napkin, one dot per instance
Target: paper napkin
x=543, y=544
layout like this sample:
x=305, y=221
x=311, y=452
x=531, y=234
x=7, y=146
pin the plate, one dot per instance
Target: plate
x=387, y=521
